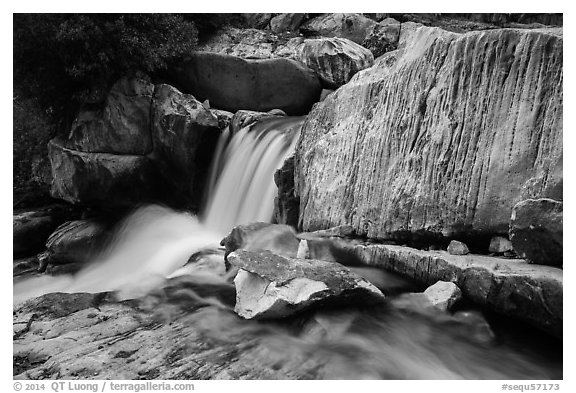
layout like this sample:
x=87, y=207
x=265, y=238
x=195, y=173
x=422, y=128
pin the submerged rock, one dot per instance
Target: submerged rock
x=515, y=288
x=233, y=83
x=259, y=236
x=458, y=248
x=122, y=126
x=427, y=141
x=443, y=295
x=335, y=60
x=536, y=230
x=270, y=286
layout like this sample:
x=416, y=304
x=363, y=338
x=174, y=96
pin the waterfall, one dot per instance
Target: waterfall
x=241, y=188
x=155, y=242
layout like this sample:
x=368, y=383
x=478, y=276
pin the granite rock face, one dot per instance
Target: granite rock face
x=270, y=286
x=122, y=126
x=443, y=136
x=233, y=83
x=536, y=231
x=335, y=60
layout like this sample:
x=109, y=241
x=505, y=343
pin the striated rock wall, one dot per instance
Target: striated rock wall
x=444, y=135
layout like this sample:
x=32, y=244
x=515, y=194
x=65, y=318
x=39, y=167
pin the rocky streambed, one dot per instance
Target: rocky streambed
x=418, y=214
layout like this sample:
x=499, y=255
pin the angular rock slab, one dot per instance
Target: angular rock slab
x=99, y=178
x=335, y=60
x=232, y=83
x=536, y=231
x=122, y=126
x=270, y=286
x=444, y=135
x=512, y=287
x=443, y=295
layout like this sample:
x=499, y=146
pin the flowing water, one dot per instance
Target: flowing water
x=400, y=340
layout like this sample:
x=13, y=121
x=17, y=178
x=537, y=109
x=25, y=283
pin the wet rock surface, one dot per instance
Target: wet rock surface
x=270, y=286
x=75, y=242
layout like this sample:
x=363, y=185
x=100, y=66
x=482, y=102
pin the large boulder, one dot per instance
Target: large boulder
x=122, y=126
x=527, y=292
x=439, y=137
x=536, y=230
x=270, y=286
x=335, y=60
x=75, y=242
x=286, y=22
x=99, y=178
x=232, y=83
x=185, y=134
x=355, y=27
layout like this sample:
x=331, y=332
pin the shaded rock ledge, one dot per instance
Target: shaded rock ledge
x=515, y=288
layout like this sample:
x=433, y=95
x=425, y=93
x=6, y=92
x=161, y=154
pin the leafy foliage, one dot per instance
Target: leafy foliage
x=67, y=60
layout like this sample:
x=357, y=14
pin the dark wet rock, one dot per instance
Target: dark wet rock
x=31, y=229
x=75, y=242
x=458, y=248
x=285, y=203
x=277, y=238
x=338, y=231
x=475, y=325
x=536, y=231
x=271, y=286
x=224, y=117
x=233, y=83
x=390, y=153
x=100, y=179
x=515, y=288
x=443, y=295
x=122, y=126
x=286, y=22
x=500, y=245
x=335, y=60
x=185, y=135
